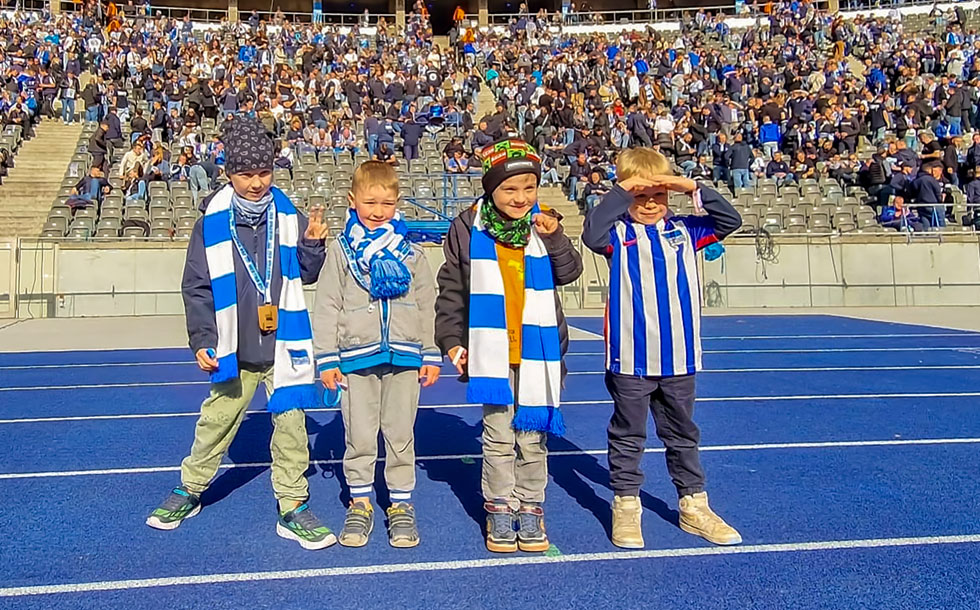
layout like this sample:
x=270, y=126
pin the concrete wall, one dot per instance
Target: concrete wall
x=835, y=272
x=81, y=280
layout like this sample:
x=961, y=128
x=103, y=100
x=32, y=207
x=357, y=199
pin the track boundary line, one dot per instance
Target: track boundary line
x=478, y=456
x=464, y=405
x=473, y=564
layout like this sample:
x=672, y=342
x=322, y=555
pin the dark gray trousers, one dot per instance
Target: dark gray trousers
x=671, y=400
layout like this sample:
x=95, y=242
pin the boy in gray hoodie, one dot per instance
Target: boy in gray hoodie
x=374, y=322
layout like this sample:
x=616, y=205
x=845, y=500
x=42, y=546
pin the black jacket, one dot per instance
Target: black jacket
x=452, y=305
x=254, y=347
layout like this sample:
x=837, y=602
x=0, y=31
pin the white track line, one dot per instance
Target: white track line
x=474, y=564
x=464, y=405
x=72, y=365
x=823, y=369
x=969, y=348
x=477, y=456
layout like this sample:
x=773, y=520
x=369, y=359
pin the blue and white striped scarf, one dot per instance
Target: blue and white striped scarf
x=293, y=369
x=539, y=375
x=379, y=254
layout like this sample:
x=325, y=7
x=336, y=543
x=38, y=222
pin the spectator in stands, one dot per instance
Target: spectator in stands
x=92, y=187
x=929, y=194
x=457, y=164
x=92, y=96
x=579, y=172
x=778, y=170
x=769, y=136
x=411, y=134
x=135, y=157
x=740, y=160
x=595, y=189
x=69, y=91
x=98, y=146
x=385, y=154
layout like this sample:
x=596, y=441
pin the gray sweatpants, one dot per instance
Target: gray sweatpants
x=384, y=398
x=515, y=463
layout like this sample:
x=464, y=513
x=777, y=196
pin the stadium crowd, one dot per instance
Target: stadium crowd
x=799, y=95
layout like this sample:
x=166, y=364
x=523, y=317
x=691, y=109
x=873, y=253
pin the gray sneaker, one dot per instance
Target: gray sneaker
x=179, y=505
x=358, y=524
x=501, y=536
x=301, y=525
x=531, y=536
x=403, y=532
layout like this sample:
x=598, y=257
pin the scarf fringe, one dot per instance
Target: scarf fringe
x=540, y=419
x=292, y=397
x=489, y=391
x=389, y=278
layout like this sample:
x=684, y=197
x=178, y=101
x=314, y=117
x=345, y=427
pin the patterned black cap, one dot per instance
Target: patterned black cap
x=248, y=146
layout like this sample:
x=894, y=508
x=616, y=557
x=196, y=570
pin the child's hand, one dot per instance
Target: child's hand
x=545, y=224
x=331, y=377
x=458, y=357
x=637, y=186
x=316, y=229
x=207, y=363
x=428, y=375
x=678, y=184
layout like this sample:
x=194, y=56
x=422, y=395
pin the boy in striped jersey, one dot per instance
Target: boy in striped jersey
x=653, y=343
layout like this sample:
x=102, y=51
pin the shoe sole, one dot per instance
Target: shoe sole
x=285, y=532
x=156, y=524
x=533, y=547
x=719, y=541
x=403, y=543
x=498, y=547
x=623, y=544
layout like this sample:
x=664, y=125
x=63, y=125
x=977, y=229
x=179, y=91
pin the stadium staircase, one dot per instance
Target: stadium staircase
x=35, y=179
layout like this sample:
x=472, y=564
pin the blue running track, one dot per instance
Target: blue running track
x=845, y=451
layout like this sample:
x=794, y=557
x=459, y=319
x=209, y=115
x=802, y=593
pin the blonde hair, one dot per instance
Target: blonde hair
x=375, y=173
x=642, y=163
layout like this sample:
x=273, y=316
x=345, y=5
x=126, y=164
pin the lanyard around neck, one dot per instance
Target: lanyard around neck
x=263, y=286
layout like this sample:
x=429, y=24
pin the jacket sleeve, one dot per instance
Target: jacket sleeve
x=202, y=330
x=726, y=219
x=425, y=297
x=566, y=262
x=601, y=218
x=326, y=309
x=452, y=304
x=311, y=253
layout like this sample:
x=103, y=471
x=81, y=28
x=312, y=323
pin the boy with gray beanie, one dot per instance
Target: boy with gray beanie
x=247, y=261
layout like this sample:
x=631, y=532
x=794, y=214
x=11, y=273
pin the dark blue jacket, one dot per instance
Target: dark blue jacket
x=254, y=347
x=927, y=189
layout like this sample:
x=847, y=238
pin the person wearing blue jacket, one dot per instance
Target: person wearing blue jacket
x=770, y=136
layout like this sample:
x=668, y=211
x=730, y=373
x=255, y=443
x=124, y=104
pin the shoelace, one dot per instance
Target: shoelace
x=401, y=518
x=357, y=518
x=306, y=519
x=529, y=522
x=501, y=523
x=175, y=501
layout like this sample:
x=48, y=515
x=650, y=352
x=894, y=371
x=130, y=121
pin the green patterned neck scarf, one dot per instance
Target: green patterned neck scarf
x=507, y=231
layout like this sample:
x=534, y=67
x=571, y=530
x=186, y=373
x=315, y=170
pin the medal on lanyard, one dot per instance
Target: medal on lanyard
x=268, y=313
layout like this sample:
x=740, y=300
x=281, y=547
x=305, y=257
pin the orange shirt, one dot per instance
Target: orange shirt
x=511, y=261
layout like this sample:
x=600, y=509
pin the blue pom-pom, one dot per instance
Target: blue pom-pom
x=389, y=278
x=713, y=251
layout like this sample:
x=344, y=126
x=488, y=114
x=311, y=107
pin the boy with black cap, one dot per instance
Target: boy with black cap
x=499, y=318
x=247, y=261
